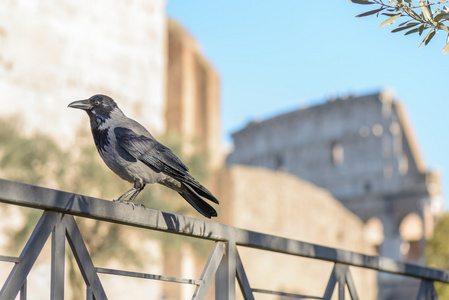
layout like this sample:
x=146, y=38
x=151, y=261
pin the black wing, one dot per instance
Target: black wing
x=151, y=152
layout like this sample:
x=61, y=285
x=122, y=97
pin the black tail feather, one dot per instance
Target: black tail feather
x=199, y=189
x=198, y=203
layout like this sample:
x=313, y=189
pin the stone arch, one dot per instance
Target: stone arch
x=337, y=152
x=374, y=232
x=411, y=230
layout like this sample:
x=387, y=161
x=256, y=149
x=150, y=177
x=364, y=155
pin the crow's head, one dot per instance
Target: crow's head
x=97, y=105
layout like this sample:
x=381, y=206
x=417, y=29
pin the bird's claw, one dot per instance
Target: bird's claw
x=128, y=202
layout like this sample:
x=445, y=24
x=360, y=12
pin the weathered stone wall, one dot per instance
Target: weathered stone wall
x=52, y=53
x=281, y=204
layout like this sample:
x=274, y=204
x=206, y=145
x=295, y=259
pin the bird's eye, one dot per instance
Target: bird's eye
x=96, y=102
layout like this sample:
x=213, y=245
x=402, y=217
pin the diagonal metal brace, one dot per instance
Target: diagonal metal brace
x=82, y=257
x=427, y=291
x=30, y=252
x=341, y=275
x=242, y=279
x=209, y=270
x=59, y=224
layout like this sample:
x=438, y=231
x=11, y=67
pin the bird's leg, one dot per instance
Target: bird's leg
x=126, y=194
x=138, y=186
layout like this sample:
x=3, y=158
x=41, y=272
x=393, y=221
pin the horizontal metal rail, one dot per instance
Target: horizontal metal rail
x=48, y=199
x=290, y=295
x=147, y=276
x=224, y=262
x=9, y=259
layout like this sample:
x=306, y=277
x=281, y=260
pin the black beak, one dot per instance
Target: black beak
x=81, y=104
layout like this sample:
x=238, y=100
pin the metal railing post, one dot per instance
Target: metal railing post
x=57, y=262
x=23, y=291
x=225, y=277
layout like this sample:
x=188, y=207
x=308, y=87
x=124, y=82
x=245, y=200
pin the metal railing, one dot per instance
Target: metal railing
x=224, y=263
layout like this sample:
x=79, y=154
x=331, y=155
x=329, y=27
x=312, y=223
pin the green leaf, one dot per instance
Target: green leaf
x=444, y=27
x=412, y=13
x=440, y=16
x=411, y=31
x=365, y=2
x=427, y=39
x=427, y=14
x=403, y=23
x=389, y=15
x=368, y=13
x=421, y=29
x=446, y=49
x=390, y=20
x=405, y=27
x=413, y=24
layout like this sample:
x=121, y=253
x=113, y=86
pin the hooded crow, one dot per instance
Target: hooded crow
x=136, y=156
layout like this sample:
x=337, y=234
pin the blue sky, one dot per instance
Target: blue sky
x=275, y=56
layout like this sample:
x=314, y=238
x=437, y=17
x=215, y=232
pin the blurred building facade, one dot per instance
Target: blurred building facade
x=362, y=150
x=52, y=54
x=192, y=96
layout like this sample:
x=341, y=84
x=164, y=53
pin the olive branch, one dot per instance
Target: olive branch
x=423, y=17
